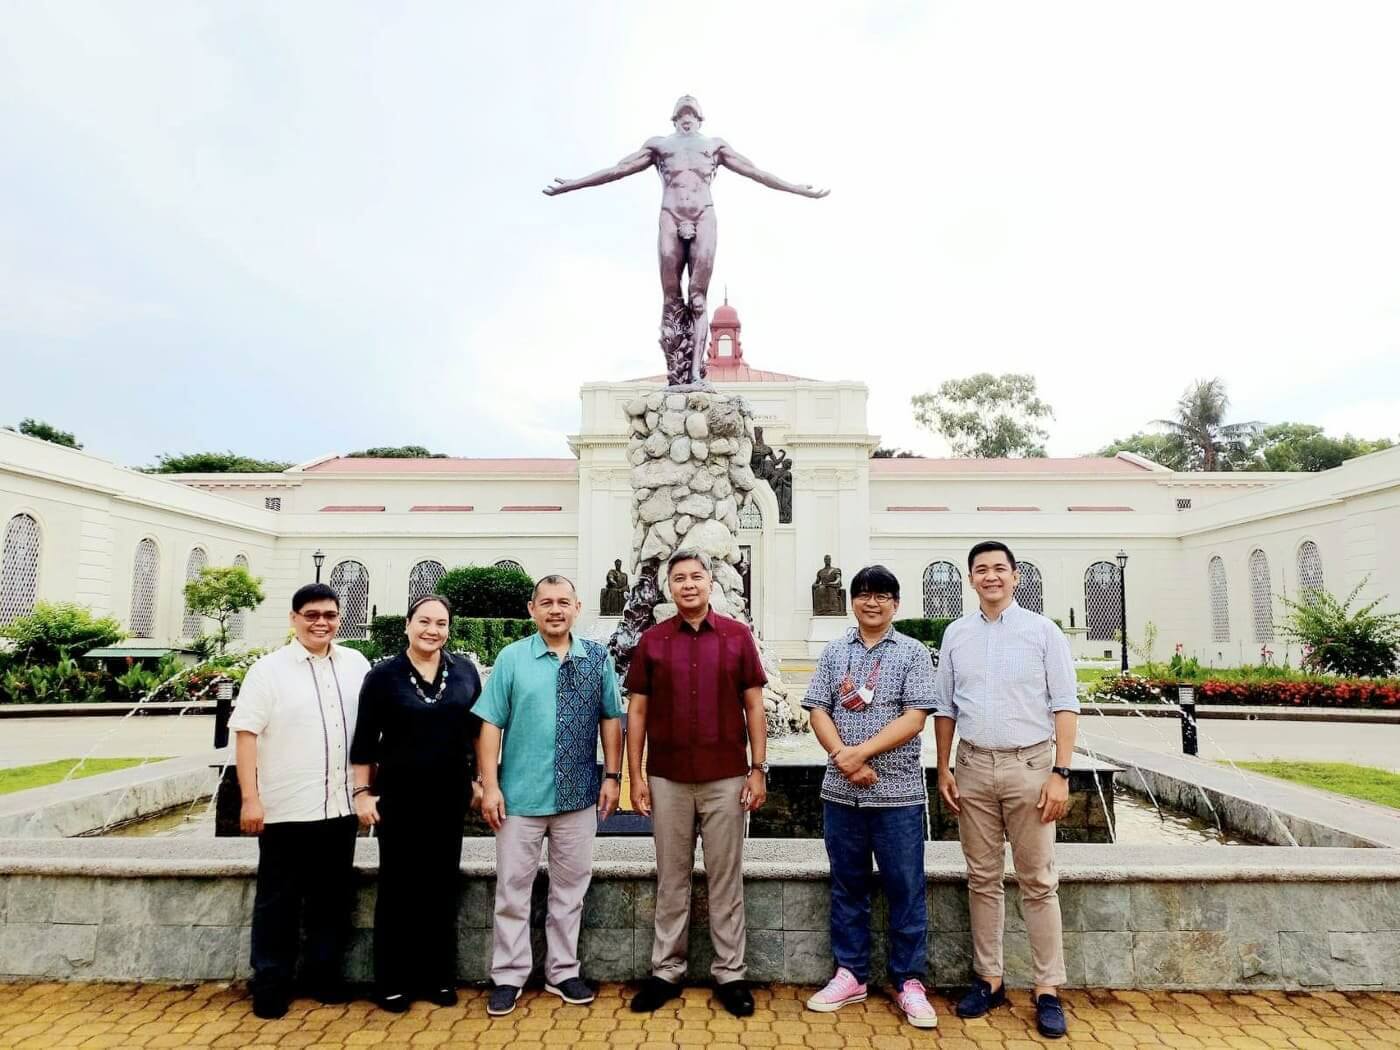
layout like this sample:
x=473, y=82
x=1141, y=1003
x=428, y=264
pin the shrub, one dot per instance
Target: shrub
x=52, y=631
x=368, y=647
x=387, y=633
x=197, y=683
x=924, y=629
x=1335, y=639
x=485, y=636
x=486, y=590
x=1294, y=690
x=62, y=682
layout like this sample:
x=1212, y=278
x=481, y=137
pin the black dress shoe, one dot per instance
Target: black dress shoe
x=1050, y=1016
x=444, y=996
x=979, y=999
x=394, y=1002
x=655, y=992
x=332, y=993
x=736, y=998
x=270, y=1006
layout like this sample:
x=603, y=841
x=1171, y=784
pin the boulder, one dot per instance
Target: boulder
x=664, y=611
x=680, y=449
x=695, y=425
x=675, y=402
x=741, y=476
x=700, y=450
x=720, y=489
x=696, y=505
x=637, y=457
x=721, y=446
x=654, y=401
x=637, y=406
x=728, y=577
x=661, y=472
x=653, y=418
x=703, y=481
x=712, y=538
x=639, y=426
x=683, y=523
x=657, y=444
x=699, y=401
x=744, y=450
x=724, y=419
x=660, y=541
x=672, y=423
x=660, y=507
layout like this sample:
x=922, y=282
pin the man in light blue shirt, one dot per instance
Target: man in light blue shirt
x=1006, y=682
x=548, y=698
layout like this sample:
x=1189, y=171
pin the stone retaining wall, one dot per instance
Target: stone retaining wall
x=1199, y=917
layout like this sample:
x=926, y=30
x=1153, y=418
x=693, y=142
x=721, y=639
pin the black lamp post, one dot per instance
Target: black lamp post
x=320, y=559
x=1123, y=605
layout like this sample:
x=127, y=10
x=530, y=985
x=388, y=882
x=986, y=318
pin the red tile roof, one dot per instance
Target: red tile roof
x=450, y=465
x=1076, y=465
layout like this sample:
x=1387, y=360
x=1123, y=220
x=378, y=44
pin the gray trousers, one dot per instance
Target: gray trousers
x=675, y=808
x=570, y=871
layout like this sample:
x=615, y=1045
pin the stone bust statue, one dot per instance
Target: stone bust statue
x=614, y=595
x=828, y=595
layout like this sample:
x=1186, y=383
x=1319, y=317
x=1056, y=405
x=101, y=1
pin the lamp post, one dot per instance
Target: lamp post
x=1123, y=606
x=320, y=559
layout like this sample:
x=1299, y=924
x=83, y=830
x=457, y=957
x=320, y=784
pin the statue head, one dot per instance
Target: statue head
x=684, y=103
x=617, y=564
x=827, y=559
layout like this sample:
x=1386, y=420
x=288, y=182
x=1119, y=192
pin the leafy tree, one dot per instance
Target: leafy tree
x=894, y=453
x=1302, y=446
x=1211, y=443
x=214, y=463
x=54, y=630
x=1336, y=639
x=37, y=428
x=221, y=593
x=1166, y=449
x=396, y=452
x=487, y=590
x=986, y=416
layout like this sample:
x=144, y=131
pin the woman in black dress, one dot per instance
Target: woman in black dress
x=415, y=725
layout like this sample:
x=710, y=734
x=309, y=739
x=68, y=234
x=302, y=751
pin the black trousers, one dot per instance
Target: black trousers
x=306, y=870
x=415, y=915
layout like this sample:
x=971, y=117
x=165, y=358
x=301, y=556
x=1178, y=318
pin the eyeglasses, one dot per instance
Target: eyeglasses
x=878, y=599
x=316, y=614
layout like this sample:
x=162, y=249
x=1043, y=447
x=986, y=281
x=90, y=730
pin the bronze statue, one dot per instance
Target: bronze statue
x=828, y=596
x=687, y=162
x=614, y=595
x=779, y=476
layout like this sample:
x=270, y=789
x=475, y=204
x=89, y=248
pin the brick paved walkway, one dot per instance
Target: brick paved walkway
x=91, y=1016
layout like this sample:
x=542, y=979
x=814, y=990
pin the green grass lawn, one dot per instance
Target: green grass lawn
x=1363, y=782
x=22, y=778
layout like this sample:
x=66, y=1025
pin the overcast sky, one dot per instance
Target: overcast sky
x=295, y=228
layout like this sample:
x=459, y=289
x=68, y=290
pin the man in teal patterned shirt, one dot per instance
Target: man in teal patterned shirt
x=547, y=700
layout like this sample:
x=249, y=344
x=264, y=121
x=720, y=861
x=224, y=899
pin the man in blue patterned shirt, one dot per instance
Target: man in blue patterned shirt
x=542, y=709
x=869, y=697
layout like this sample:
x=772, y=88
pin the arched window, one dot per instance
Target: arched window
x=144, y=577
x=507, y=563
x=238, y=622
x=1309, y=570
x=1103, y=604
x=193, y=623
x=942, y=591
x=751, y=515
x=1030, y=591
x=1261, y=597
x=19, y=569
x=350, y=580
x=1219, y=601
x=423, y=579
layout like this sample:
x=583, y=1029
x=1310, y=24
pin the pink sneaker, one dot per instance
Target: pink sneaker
x=840, y=991
x=914, y=1002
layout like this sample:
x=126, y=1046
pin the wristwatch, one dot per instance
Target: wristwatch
x=1062, y=770
x=761, y=767
x=613, y=776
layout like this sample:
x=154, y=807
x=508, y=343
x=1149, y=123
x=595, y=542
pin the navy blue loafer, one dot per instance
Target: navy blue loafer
x=1050, y=1016
x=979, y=999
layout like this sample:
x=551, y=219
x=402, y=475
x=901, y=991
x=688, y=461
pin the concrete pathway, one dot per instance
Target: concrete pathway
x=1366, y=745
x=97, y=1015
x=26, y=741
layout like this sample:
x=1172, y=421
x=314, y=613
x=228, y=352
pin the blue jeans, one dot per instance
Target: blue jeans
x=894, y=837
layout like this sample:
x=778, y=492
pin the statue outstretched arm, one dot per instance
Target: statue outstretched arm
x=737, y=162
x=628, y=165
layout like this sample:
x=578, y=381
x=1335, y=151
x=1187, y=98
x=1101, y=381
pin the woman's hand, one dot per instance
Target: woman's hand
x=367, y=809
x=493, y=807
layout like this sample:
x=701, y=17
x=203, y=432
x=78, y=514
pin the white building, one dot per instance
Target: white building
x=1209, y=555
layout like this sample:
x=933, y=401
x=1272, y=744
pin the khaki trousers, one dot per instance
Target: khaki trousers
x=997, y=793
x=675, y=808
x=570, y=871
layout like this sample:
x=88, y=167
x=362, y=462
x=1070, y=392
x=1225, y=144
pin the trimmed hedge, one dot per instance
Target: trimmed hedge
x=487, y=591
x=1296, y=692
x=924, y=629
x=483, y=635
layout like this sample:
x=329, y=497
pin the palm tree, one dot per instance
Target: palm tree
x=1200, y=425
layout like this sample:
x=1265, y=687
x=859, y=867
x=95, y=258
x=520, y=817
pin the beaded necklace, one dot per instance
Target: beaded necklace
x=413, y=681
